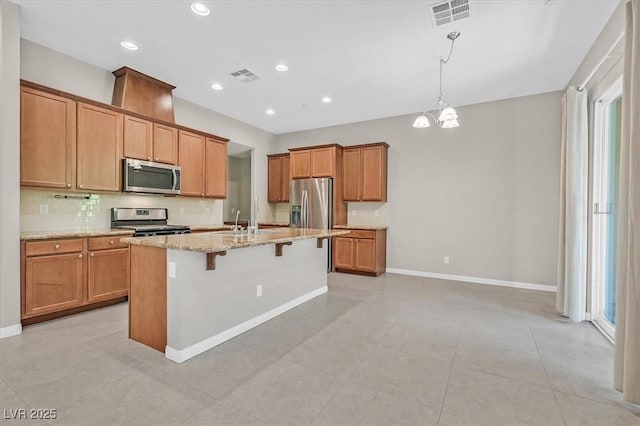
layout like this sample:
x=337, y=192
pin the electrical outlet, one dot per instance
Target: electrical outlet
x=259, y=290
x=44, y=209
x=446, y=259
x=171, y=269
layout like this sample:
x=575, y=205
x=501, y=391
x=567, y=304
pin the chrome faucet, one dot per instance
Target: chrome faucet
x=237, y=230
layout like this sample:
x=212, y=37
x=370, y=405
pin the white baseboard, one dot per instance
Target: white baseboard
x=476, y=280
x=208, y=343
x=12, y=330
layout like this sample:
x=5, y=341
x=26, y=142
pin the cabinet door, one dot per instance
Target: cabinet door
x=351, y=174
x=300, y=164
x=322, y=162
x=374, y=174
x=137, y=138
x=108, y=274
x=47, y=140
x=53, y=283
x=343, y=253
x=216, y=168
x=286, y=173
x=191, y=160
x=165, y=144
x=365, y=255
x=274, y=194
x=99, y=148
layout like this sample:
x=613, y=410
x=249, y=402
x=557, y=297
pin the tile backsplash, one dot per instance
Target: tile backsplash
x=40, y=210
x=367, y=214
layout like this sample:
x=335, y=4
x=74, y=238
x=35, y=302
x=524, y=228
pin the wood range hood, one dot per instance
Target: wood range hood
x=138, y=92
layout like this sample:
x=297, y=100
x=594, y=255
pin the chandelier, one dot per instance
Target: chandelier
x=447, y=116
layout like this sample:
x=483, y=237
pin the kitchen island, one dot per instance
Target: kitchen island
x=191, y=292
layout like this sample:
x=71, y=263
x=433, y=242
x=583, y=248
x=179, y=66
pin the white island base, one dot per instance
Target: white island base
x=204, y=308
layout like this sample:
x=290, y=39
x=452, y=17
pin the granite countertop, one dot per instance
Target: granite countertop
x=365, y=227
x=213, y=242
x=210, y=227
x=73, y=233
x=283, y=224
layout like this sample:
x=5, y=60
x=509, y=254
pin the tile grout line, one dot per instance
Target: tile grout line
x=446, y=389
x=544, y=367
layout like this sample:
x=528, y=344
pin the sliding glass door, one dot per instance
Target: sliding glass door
x=605, y=193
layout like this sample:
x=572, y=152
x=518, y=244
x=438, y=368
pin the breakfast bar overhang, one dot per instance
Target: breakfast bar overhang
x=192, y=292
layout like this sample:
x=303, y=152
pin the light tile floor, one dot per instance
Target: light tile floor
x=392, y=350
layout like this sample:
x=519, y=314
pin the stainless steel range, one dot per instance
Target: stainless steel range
x=145, y=222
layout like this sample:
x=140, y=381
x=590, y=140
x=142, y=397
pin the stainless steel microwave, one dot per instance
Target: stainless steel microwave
x=151, y=178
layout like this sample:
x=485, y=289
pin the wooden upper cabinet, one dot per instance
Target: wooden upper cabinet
x=145, y=140
x=374, y=173
x=215, y=168
x=165, y=144
x=364, y=169
x=351, y=174
x=47, y=140
x=274, y=190
x=278, y=189
x=286, y=178
x=99, y=148
x=323, y=162
x=300, y=164
x=191, y=154
x=138, y=137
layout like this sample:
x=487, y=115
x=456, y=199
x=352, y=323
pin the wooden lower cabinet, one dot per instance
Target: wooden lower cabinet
x=108, y=274
x=53, y=283
x=362, y=251
x=63, y=275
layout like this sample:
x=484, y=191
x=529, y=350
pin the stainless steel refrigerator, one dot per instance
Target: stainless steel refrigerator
x=311, y=206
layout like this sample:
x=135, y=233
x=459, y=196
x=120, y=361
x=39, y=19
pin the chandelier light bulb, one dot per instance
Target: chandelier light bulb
x=450, y=124
x=448, y=114
x=421, y=122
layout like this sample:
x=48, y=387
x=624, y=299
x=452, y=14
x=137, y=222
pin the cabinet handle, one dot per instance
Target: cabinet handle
x=92, y=254
x=202, y=194
x=80, y=256
x=57, y=246
x=68, y=185
x=156, y=159
x=111, y=242
x=81, y=186
x=148, y=158
x=207, y=194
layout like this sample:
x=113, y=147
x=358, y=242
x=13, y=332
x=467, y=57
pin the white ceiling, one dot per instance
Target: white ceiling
x=374, y=58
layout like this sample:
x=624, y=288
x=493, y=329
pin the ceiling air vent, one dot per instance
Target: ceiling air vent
x=245, y=75
x=447, y=11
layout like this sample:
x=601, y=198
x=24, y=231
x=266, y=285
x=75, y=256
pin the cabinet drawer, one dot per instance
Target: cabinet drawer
x=37, y=248
x=105, y=243
x=360, y=233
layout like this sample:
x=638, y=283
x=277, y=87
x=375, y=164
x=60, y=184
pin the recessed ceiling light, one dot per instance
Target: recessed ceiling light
x=326, y=99
x=282, y=67
x=129, y=45
x=217, y=86
x=200, y=9
x=269, y=112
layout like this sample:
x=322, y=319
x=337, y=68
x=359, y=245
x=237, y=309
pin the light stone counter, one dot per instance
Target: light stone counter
x=363, y=227
x=73, y=233
x=212, y=242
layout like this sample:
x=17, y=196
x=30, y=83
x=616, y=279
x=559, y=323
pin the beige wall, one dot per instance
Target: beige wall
x=9, y=169
x=485, y=194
